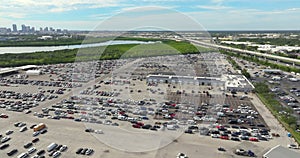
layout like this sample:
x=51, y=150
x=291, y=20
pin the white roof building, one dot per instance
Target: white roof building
x=229, y=82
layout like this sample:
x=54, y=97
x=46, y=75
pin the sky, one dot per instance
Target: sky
x=168, y=14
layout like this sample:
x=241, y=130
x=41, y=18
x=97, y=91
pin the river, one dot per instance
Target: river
x=15, y=50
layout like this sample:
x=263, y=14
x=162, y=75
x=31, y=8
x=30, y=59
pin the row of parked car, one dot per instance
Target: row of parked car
x=237, y=133
x=40, y=83
x=85, y=151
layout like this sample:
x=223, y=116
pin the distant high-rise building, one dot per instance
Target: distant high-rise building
x=46, y=29
x=23, y=28
x=27, y=28
x=15, y=28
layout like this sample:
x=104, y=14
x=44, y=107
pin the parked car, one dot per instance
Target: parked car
x=9, y=132
x=5, y=139
x=292, y=146
x=35, y=140
x=34, y=134
x=89, y=152
x=41, y=152
x=221, y=149
x=254, y=139
x=12, y=152
x=4, y=146
x=23, y=129
x=83, y=151
x=63, y=148
x=27, y=145
x=79, y=150
x=31, y=150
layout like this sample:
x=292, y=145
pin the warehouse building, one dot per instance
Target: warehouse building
x=14, y=70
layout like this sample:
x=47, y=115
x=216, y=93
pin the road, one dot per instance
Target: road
x=269, y=56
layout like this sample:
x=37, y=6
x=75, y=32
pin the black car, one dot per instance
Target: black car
x=58, y=147
x=89, y=130
x=35, y=140
x=221, y=149
x=51, y=154
x=261, y=125
x=114, y=118
x=41, y=152
x=4, y=146
x=262, y=138
x=31, y=127
x=146, y=126
x=43, y=131
x=153, y=129
x=79, y=151
x=188, y=131
x=235, y=138
x=27, y=145
x=12, y=152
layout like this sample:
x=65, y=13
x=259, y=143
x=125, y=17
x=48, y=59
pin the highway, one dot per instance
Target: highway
x=268, y=56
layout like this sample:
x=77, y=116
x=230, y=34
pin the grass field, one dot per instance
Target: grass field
x=167, y=47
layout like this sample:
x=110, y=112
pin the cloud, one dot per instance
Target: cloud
x=248, y=19
x=213, y=7
x=27, y=7
x=217, y=1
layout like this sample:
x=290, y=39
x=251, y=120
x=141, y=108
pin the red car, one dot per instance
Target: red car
x=3, y=116
x=140, y=123
x=225, y=137
x=136, y=126
x=253, y=139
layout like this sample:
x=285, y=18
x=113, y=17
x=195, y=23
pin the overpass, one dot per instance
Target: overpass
x=292, y=61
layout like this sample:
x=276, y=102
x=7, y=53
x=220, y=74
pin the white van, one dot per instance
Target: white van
x=51, y=147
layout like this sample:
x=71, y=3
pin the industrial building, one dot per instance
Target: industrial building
x=237, y=83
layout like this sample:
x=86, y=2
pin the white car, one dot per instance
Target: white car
x=5, y=139
x=56, y=154
x=181, y=155
x=99, y=131
x=36, y=133
x=23, y=129
x=292, y=146
x=63, y=148
x=31, y=150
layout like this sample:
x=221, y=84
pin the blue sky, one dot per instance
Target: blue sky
x=211, y=14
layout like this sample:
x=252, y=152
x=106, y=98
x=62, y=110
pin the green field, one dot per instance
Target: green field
x=103, y=53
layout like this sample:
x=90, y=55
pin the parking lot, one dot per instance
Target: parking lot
x=117, y=113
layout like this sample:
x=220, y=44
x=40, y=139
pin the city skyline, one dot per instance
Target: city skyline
x=211, y=14
x=30, y=29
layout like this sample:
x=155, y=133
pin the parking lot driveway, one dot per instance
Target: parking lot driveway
x=272, y=122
